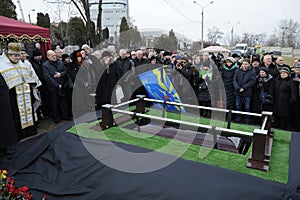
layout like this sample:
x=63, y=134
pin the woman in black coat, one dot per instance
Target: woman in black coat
x=263, y=91
x=227, y=74
x=285, y=97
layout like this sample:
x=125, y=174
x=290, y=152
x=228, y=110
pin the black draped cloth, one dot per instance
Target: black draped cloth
x=58, y=165
x=8, y=131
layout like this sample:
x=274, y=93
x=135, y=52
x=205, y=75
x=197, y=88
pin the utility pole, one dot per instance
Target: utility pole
x=202, y=23
x=21, y=11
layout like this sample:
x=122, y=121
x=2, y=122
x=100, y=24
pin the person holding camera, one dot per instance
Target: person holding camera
x=186, y=70
x=263, y=92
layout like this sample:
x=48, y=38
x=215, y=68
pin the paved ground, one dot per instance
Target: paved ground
x=47, y=124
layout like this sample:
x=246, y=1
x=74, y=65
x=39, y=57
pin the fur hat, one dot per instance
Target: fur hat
x=14, y=48
x=37, y=52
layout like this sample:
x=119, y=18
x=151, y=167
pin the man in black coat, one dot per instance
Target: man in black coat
x=139, y=60
x=54, y=73
x=267, y=62
x=125, y=65
x=244, y=79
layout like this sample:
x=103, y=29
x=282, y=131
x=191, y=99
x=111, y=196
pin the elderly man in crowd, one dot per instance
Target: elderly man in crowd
x=54, y=73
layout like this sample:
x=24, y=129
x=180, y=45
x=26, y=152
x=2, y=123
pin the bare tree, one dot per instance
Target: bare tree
x=288, y=31
x=214, y=34
x=83, y=7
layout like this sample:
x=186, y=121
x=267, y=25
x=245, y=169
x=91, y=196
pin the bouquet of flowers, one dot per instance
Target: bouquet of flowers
x=9, y=192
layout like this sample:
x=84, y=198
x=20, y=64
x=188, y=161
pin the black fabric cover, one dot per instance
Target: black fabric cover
x=58, y=165
x=293, y=189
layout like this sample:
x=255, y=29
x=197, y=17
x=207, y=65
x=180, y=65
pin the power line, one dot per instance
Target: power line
x=178, y=10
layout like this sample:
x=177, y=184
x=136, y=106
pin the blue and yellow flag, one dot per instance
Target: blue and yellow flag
x=159, y=86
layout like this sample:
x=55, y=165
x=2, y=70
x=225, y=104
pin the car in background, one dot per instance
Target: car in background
x=240, y=48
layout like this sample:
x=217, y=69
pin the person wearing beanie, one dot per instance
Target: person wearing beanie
x=227, y=74
x=65, y=58
x=284, y=98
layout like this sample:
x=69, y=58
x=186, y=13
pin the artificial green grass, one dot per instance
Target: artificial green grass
x=232, y=161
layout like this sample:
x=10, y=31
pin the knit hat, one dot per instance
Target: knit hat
x=64, y=56
x=266, y=70
x=231, y=59
x=285, y=69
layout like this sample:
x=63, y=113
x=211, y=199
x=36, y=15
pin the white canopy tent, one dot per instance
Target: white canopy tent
x=214, y=49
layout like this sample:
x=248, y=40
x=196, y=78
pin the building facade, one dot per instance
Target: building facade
x=112, y=13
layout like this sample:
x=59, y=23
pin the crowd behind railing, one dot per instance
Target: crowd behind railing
x=253, y=83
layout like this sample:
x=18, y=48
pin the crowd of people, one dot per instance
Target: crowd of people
x=63, y=85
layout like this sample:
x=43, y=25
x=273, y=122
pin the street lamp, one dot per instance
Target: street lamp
x=202, y=16
x=232, y=28
x=29, y=15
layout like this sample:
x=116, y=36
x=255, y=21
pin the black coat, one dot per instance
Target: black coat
x=8, y=133
x=266, y=85
x=246, y=80
x=124, y=65
x=72, y=70
x=106, y=84
x=296, y=106
x=227, y=75
x=285, y=96
x=49, y=69
x=140, y=62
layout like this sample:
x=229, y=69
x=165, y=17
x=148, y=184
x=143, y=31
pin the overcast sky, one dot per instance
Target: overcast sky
x=254, y=16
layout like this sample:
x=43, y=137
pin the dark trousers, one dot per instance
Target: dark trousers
x=241, y=102
x=59, y=106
